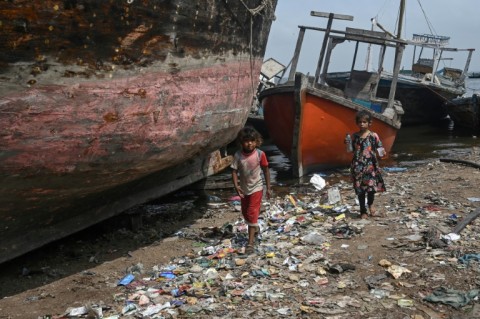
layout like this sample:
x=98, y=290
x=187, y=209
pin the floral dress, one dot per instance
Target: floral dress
x=365, y=170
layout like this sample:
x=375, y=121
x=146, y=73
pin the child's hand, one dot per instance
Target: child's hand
x=239, y=192
x=381, y=152
x=269, y=193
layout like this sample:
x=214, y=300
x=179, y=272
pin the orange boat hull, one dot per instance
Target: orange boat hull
x=311, y=132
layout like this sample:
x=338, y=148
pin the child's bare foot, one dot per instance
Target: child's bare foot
x=257, y=234
x=363, y=214
x=373, y=211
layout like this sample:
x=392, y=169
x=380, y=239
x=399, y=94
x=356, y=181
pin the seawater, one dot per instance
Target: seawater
x=473, y=86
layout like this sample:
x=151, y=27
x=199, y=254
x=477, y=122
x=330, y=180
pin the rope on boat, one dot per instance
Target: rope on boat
x=267, y=5
x=257, y=10
x=435, y=92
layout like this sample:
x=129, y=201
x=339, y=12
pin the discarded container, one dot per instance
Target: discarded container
x=405, y=303
x=126, y=280
x=128, y=308
x=334, y=195
x=313, y=238
x=394, y=169
x=379, y=293
x=292, y=200
x=315, y=301
x=167, y=275
x=348, y=143
x=381, y=152
x=74, y=312
x=177, y=292
x=318, y=182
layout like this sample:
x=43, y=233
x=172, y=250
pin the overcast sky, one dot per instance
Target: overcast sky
x=459, y=19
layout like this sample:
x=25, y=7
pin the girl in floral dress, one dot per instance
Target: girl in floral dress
x=366, y=175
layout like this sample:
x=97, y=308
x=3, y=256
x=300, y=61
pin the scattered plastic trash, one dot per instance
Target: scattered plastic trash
x=79, y=311
x=284, y=311
x=126, y=280
x=334, y=195
x=235, y=198
x=405, y=303
x=380, y=293
x=318, y=182
x=394, y=169
x=451, y=237
x=396, y=271
x=452, y=297
x=313, y=238
x=129, y=308
x=465, y=259
x=298, y=232
x=167, y=275
x=154, y=309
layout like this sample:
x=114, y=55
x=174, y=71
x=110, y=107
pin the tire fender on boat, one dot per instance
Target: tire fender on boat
x=428, y=77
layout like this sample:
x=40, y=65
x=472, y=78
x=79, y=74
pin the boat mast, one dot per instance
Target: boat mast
x=400, y=19
x=330, y=17
x=398, y=56
x=367, y=59
x=467, y=65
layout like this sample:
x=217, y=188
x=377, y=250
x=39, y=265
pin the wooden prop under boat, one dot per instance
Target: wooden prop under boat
x=308, y=121
x=108, y=104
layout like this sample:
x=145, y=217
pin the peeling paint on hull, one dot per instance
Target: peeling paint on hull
x=92, y=128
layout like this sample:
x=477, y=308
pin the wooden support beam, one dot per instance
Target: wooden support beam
x=467, y=220
x=335, y=15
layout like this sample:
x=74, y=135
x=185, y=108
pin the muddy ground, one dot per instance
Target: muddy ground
x=428, y=199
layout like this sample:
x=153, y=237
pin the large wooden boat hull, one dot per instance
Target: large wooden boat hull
x=422, y=102
x=309, y=126
x=465, y=112
x=105, y=105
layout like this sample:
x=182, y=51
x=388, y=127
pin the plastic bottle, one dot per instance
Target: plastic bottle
x=348, y=143
x=381, y=152
x=379, y=293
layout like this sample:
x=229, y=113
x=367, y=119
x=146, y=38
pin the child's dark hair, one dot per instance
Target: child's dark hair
x=363, y=114
x=249, y=134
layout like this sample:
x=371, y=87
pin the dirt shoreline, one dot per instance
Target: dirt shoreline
x=85, y=269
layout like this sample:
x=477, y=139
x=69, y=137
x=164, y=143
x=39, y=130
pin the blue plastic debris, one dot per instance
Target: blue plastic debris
x=168, y=275
x=465, y=259
x=126, y=280
x=394, y=169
